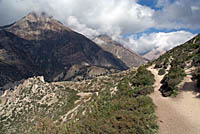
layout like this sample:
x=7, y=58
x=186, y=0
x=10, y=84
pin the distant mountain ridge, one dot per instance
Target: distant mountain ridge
x=40, y=45
x=153, y=54
x=129, y=57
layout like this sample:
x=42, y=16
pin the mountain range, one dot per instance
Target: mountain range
x=39, y=45
x=104, y=96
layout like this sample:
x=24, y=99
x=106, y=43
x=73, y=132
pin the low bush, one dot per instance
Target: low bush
x=196, y=60
x=161, y=72
x=119, y=115
x=143, y=77
x=129, y=111
x=196, y=76
x=171, y=80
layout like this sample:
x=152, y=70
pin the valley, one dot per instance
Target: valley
x=54, y=80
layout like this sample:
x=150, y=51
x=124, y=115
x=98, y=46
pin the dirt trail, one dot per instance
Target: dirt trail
x=178, y=115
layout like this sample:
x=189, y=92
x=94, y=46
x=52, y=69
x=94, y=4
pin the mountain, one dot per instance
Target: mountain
x=39, y=45
x=130, y=58
x=153, y=54
x=117, y=103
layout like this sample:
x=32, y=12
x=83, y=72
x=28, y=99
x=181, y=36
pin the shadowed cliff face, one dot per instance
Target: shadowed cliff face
x=39, y=45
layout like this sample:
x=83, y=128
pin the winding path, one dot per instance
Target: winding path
x=180, y=115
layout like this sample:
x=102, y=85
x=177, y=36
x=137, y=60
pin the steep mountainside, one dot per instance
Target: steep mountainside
x=178, y=63
x=130, y=58
x=15, y=62
x=40, y=45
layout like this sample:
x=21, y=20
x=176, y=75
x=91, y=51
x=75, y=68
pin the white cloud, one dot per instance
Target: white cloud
x=110, y=16
x=115, y=18
x=159, y=41
x=162, y=3
x=179, y=14
x=73, y=23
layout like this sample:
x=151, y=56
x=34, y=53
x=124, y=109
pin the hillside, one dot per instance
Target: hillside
x=113, y=103
x=129, y=57
x=116, y=103
x=177, y=75
x=39, y=54
x=175, y=63
x=39, y=45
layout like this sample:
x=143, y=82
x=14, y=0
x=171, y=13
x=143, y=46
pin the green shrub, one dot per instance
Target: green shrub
x=171, y=80
x=125, y=115
x=47, y=126
x=129, y=111
x=143, y=77
x=161, y=72
x=158, y=65
x=196, y=76
x=196, y=60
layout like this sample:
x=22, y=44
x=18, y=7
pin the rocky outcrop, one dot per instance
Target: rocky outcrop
x=34, y=98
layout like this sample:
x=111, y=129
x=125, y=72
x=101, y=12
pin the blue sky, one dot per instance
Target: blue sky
x=149, y=3
x=154, y=5
x=142, y=25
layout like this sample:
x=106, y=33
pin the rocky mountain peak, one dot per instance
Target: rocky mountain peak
x=37, y=26
x=34, y=17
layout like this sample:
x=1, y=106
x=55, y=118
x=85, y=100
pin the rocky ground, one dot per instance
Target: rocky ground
x=59, y=101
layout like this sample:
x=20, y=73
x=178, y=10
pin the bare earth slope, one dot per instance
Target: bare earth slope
x=178, y=115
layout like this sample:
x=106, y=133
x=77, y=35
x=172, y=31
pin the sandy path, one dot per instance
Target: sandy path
x=180, y=115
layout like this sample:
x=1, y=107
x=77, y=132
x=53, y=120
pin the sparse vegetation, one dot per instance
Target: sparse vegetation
x=179, y=58
x=171, y=80
x=129, y=110
x=143, y=77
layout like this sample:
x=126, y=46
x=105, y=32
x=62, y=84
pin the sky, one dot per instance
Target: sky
x=142, y=25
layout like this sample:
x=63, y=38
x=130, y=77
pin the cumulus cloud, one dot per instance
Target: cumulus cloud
x=74, y=23
x=126, y=15
x=115, y=18
x=179, y=14
x=159, y=41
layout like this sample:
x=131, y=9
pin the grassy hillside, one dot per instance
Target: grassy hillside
x=130, y=110
x=175, y=62
x=116, y=103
